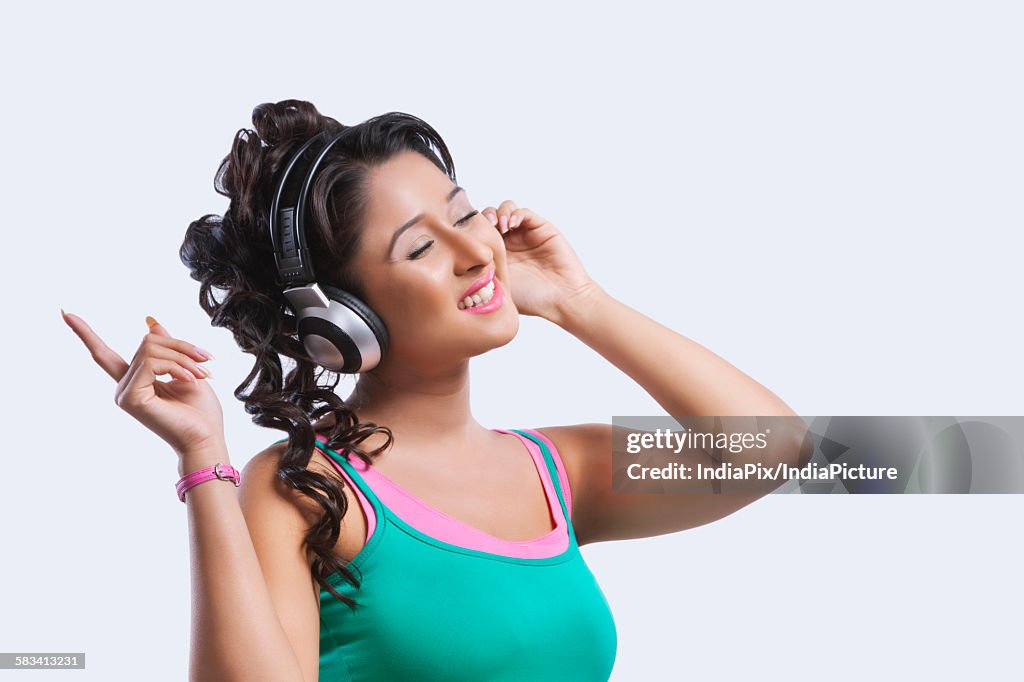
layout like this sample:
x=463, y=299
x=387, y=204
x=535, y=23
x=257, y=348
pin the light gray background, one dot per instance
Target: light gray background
x=828, y=195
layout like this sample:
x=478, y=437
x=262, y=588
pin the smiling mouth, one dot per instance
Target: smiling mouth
x=480, y=297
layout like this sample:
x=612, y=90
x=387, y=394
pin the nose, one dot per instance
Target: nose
x=469, y=250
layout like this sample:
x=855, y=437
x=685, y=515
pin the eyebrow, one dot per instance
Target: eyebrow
x=414, y=220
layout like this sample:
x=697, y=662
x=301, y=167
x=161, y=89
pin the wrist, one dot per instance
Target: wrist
x=574, y=309
x=199, y=458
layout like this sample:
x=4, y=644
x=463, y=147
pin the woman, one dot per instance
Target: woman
x=455, y=564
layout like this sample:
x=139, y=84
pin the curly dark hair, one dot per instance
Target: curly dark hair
x=233, y=254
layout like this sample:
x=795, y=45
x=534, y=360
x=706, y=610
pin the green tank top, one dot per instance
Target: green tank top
x=430, y=610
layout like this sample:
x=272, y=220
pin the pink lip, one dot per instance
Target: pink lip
x=478, y=284
x=491, y=305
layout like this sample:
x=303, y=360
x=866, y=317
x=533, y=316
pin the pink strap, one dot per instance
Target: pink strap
x=224, y=472
x=563, y=478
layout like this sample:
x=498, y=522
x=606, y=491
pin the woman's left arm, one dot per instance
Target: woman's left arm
x=686, y=379
x=682, y=376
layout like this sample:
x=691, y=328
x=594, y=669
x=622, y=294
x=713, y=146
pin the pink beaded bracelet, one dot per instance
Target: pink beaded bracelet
x=224, y=472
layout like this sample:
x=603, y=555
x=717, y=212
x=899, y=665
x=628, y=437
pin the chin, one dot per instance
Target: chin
x=497, y=335
x=511, y=332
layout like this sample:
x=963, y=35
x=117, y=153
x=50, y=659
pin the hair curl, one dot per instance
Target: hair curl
x=233, y=254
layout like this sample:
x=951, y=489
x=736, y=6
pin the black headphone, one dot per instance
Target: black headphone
x=338, y=330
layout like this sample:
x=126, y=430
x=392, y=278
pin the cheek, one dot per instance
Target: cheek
x=410, y=300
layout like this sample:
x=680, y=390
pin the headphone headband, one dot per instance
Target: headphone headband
x=288, y=210
x=338, y=331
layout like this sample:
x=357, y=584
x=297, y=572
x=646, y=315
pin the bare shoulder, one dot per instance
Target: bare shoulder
x=261, y=485
x=584, y=450
x=576, y=442
x=267, y=499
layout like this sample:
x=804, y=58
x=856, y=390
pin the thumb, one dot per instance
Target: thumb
x=156, y=327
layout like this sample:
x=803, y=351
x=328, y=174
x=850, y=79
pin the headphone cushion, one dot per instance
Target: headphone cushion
x=364, y=311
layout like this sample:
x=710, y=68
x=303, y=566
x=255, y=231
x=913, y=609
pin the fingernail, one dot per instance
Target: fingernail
x=205, y=371
x=205, y=353
x=151, y=321
x=504, y=223
x=493, y=219
x=514, y=222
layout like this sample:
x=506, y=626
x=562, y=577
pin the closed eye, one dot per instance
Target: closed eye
x=417, y=252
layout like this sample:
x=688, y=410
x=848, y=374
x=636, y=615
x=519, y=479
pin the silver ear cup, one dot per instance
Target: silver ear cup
x=334, y=335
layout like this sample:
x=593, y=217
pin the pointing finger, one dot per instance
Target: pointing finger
x=108, y=359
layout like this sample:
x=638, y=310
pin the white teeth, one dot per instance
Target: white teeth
x=479, y=297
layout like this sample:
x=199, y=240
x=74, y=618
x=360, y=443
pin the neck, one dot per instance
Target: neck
x=419, y=408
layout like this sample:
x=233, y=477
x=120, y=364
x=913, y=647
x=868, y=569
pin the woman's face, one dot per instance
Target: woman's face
x=414, y=275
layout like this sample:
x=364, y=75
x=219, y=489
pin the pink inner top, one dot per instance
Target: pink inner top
x=437, y=524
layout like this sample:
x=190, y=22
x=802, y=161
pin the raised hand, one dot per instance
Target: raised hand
x=544, y=270
x=183, y=411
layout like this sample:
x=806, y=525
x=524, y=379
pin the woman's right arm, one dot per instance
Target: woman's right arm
x=255, y=610
x=255, y=606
